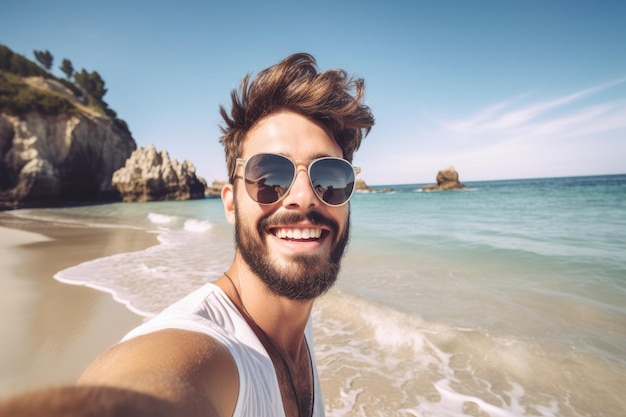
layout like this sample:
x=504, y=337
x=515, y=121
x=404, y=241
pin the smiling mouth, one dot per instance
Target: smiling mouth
x=297, y=233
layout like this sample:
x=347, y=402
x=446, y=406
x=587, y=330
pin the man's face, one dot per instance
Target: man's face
x=296, y=244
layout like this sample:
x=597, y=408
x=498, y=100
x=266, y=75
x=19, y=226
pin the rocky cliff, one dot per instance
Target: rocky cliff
x=149, y=175
x=60, y=143
x=59, y=140
x=47, y=159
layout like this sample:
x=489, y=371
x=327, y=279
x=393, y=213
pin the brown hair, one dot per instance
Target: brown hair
x=331, y=98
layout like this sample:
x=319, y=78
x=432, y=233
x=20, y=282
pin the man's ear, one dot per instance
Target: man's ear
x=228, y=199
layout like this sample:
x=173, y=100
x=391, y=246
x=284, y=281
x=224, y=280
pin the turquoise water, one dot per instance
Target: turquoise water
x=504, y=299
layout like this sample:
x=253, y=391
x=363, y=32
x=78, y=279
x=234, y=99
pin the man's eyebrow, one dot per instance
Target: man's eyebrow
x=315, y=156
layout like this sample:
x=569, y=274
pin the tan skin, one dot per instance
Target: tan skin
x=193, y=371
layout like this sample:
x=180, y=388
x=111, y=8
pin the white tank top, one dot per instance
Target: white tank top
x=208, y=310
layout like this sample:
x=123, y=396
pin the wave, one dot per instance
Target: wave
x=374, y=360
x=161, y=218
x=190, y=253
x=198, y=226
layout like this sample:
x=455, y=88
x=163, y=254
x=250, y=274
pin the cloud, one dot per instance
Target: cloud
x=579, y=133
x=591, y=120
x=550, y=117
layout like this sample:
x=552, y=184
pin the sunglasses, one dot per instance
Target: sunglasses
x=269, y=177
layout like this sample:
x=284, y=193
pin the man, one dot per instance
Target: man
x=242, y=346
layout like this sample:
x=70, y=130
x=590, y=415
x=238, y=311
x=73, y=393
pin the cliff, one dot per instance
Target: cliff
x=60, y=143
x=69, y=156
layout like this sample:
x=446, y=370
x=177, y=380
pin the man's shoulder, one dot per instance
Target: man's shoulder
x=206, y=310
x=173, y=345
x=164, y=352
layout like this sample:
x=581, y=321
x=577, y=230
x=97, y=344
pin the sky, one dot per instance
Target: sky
x=497, y=89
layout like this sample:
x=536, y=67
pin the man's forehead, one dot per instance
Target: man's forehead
x=290, y=134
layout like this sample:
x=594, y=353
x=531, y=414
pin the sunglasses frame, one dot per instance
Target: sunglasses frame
x=295, y=162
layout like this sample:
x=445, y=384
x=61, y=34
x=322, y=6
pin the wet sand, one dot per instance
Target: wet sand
x=51, y=331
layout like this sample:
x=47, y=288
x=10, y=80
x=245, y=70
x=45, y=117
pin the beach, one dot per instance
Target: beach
x=505, y=299
x=51, y=331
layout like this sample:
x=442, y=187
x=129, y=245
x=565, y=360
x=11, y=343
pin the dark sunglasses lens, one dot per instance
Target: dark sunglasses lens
x=333, y=180
x=268, y=177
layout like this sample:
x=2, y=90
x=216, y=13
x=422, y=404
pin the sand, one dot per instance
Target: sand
x=51, y=331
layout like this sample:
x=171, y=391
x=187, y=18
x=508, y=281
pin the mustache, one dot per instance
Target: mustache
x=277, y=219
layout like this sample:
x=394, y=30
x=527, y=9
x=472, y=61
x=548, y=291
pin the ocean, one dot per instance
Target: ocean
x=507, y=298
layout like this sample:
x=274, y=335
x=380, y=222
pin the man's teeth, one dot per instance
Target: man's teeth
x=293, y=233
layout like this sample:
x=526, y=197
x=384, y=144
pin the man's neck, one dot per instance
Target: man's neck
x=281, y=319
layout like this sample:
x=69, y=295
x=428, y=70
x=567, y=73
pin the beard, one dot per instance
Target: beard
x=306, y=276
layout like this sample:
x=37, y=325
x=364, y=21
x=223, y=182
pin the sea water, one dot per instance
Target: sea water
x=507, y=298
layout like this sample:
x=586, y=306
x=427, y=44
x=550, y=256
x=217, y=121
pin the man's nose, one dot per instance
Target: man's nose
x=301, y=195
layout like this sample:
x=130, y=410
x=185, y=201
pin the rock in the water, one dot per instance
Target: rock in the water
x=150, y=175
x=361, y=186
x=447, y=179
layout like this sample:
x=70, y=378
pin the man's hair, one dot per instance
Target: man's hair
x=332, y=98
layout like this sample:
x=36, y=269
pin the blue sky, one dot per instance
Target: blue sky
x=497, y=89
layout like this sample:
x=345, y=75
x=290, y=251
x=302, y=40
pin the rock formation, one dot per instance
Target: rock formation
x=447, y=179
x=361, y=186
x=54, y=148
x=46, y=159
x=149, y=175
x=60, y=143
x=214, y=190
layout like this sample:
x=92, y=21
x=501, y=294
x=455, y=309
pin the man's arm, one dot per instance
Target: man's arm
x=87, y=401
x=171, y=373
x=192, y=372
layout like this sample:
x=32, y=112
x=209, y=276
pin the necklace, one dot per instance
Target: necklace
x=260, y=332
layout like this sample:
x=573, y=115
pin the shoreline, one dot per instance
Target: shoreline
x=53, y=330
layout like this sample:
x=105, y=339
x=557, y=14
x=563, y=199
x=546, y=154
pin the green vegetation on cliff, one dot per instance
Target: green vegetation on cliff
x=18, y=97
x=17, y=64
x=45, y=58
